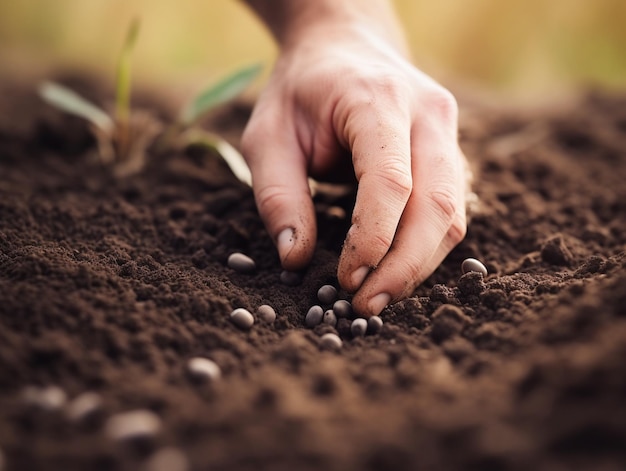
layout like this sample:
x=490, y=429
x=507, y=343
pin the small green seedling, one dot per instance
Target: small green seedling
x=124, y=136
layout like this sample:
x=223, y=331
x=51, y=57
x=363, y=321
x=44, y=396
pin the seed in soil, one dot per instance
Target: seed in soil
x=290, y=278
x=132, y=425
x=168, y=459
x=242, y=318
x=83, y=406
x=374, y=324
x=204, y=369
x=471, y=264
x=331, y=341
x=330, y=318
x=266, y=313
x=336, y=212
x=241, y=263
x=327, y=294
x=49, y=398
x=358, y=327
x=314, y=316
x=342, y=308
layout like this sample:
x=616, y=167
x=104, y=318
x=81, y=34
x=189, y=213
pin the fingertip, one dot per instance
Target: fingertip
x=377, y=303
x=285, y=243
x=295, y=248
x=351, y=281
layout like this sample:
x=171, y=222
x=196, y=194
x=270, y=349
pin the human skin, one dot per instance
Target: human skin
x=344, y=91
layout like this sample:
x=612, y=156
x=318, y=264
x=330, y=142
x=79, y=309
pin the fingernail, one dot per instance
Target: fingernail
x=358, y=276
x=285, y=242
x=378, y=303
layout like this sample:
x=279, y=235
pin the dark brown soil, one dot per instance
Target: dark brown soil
x=111, y=285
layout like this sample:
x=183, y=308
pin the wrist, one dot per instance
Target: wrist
x=308, y=21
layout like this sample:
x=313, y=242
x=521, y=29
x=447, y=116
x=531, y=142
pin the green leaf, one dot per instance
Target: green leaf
x=69, y=101
x=122, y=96
x=222, y=92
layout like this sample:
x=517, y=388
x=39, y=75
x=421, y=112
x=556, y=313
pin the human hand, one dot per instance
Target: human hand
x=341, y=94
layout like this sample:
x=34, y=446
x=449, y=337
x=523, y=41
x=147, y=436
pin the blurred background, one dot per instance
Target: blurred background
x=513, y=46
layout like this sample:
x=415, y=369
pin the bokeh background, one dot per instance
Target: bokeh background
x=514, y=46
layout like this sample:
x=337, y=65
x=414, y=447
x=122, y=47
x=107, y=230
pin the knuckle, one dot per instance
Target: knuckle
x=370, y=89
x=444, y=105
x=457, y=231
x=392, y=88
x=444, y=202
x=395, y=178
x=381, y=243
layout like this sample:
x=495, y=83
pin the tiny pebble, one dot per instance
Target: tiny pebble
x=242, y=318
x=140, y=423
x=241, y=263
x=374, y=324
x=358, y=327
x=471, y=264
x=327, y=294
x=204, y=369
x=49, y=398
x=330, y=318
x=83, y=406
x=314, y=316
x=266, y=313
x=168, y=459
x=290, y=278
x=331, y=341
x=342, y=308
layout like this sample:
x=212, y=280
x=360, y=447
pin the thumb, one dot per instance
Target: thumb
x=281, y=188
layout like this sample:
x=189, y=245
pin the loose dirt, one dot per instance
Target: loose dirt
x=111, y=285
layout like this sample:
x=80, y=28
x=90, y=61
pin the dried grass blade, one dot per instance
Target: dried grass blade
x=69, y=101
x=231, y=156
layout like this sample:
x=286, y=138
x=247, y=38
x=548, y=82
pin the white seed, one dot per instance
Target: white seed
x=374, y=324
x=331, y=341
x=327, y=294
x=330, y=318
x=49, y=398
x=168, y=459
x=242, y=318
x=471, y=264
x=342, y=308
x=358, y=327
x=266, y=313
x=136, y=424
x=241, y=263
x=290, y=278
x=83, y=406
x=336, y=212
x=204, y=369
x=314, y=316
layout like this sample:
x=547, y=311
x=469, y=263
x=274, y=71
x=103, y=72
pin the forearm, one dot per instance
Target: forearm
x=291, y=20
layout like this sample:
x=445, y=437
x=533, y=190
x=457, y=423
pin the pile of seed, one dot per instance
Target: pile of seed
x=330, y=309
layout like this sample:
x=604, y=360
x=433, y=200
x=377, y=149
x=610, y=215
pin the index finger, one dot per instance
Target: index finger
x=381, y=153
x=432, y=224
